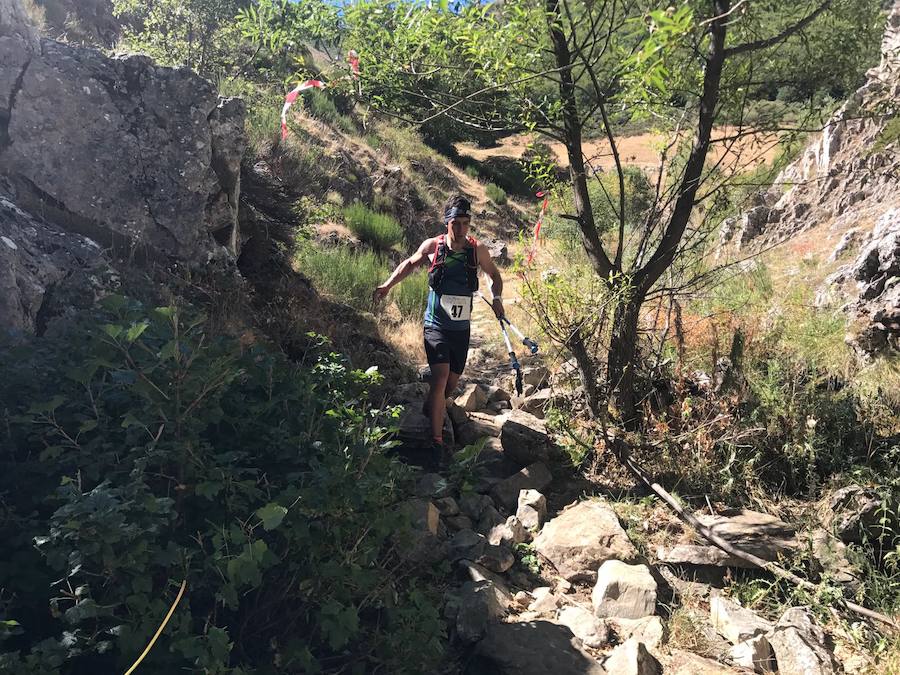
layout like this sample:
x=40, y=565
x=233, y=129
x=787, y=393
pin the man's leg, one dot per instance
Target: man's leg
x=452, y=381
x=437, y=401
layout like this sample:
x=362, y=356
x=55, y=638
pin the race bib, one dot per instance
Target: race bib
x=457, y=307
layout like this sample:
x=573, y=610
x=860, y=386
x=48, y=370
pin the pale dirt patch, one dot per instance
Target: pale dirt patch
x=642, y=150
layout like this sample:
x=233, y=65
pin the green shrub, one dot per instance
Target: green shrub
x=379, y=230
x=411, y=295
x=495, y=193
x=472, y=172
x=142, y=451
x=343, y=273
x=888, y=135
x=323, y=107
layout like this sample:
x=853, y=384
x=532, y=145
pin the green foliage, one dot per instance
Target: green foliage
x=495, y=194
x=412, y=294
x=379, y=230
x=200, y=34
x=472, y=172
x=143, y=451
x=889, y=135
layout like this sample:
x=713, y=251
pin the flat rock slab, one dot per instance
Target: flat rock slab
x=532, y=648
x=534, y=477
x=582, y=538
x=762, y=535
x=679, y=662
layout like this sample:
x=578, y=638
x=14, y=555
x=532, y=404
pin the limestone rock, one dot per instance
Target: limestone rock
x=632, y=658
x=536, y=376
x=496, y=558
x=622, y=590
x=534, y=477
x=472, y=398
x=447, y=506
x=467, y=545
x=545, y=601
x=855, y=511
x=757, y=533
x=733, y=622
x=592, y=631
x=650, y=630
x=532, y=510
x=582, y=538
x=800, y=645
x=534, y=648
x=524, y=438
x=473, y=505
x=754, y=654
x=477, y=572
x=537, y=404
x=480, y=603
x=680, y=662
x=509, y=533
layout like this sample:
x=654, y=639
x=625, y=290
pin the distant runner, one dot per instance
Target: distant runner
x=455, y=259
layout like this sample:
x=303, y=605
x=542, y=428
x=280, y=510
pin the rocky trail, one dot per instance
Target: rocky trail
x=547, y=579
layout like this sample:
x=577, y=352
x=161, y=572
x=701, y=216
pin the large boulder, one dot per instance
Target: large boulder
x=134, y=155
x=582, y=538
x=533, y=648
x=480, y=603
x=632, y=658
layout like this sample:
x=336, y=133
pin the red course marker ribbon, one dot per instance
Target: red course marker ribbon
x=537, y=227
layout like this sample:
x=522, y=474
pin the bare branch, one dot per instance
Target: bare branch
x=783, y=35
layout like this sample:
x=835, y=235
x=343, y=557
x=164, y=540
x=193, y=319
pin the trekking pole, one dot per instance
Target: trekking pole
x=527, y=341
x=514, y=362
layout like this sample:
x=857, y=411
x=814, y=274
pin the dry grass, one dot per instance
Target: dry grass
x=405, y=338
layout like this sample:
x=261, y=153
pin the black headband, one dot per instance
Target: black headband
x=456, y=212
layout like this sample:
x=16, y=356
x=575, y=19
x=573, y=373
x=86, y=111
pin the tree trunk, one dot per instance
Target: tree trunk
x=622, y=359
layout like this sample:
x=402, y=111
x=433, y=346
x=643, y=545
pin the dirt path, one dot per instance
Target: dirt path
x=641, y=150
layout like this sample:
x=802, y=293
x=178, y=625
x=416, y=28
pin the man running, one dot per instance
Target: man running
x=454, y=260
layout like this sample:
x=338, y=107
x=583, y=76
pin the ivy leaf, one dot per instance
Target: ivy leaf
x=271, y=515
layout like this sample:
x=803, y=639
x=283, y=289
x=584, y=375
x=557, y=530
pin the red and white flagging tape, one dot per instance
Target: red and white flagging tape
x=291, y=97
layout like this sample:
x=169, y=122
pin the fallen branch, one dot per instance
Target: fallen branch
x=624, y=457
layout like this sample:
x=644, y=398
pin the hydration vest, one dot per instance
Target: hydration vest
x=436, y=272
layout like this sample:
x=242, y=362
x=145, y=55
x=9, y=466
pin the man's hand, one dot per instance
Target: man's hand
x=497, y=306
x=380, y=293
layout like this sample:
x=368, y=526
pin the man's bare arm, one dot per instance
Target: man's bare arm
x=405, y=268
x=490, y=270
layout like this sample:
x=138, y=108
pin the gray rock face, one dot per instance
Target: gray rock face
x=582, y=538
x=45, y=272
x=534, y=648
x=524, y=438
x=121, y=150
x=757, y=533
x=650, y=630
x=800, y=645
x=626, y=591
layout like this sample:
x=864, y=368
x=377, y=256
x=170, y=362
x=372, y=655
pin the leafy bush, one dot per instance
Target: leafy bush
x=495, y=193
x=144, y=451
x=411, y=295
x=376, y=229
x=472, y=172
